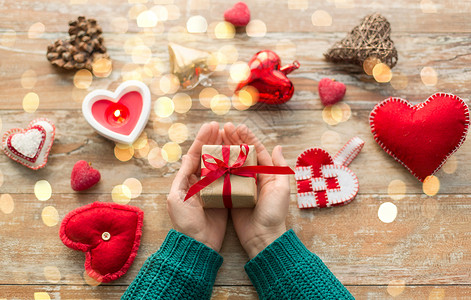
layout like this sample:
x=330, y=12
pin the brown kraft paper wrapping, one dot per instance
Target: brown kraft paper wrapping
x=243, y=189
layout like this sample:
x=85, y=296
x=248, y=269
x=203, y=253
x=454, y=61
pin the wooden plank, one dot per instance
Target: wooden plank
x=448, y=56
x=295, y=130
x=440, y=16
x=428, y=243
x=73, y=292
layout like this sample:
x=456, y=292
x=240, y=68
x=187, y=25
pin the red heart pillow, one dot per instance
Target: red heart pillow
x=108, y=233
x=421, y=137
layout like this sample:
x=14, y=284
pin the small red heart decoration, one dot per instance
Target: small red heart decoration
x=238, y=15
x=269, y=78
x=30, y=147
x=83, y=176
x=325, y=182
x=421, y=137
x=331, y=91
x=108, y=233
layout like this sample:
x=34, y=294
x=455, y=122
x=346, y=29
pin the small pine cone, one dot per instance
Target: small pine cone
x=80, y=57
x=52, y=56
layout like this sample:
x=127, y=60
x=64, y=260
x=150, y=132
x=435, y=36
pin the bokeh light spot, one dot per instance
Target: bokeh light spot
x=29, y=79
x=41, y=296
x=330, y=140
x=178, y=133
x=396, y=287
x=173, y=12
x=328, y=117
x=123, y=154
x=298, y=4
x=429, y=76
x=141, y=54
x=30, y=102
x=382, y=73
x=169, y=84
x=220, y=104
x=155, y=158
x=387, y=212
x=119, y=24
x=182, y=103
x=428, y=7
x=321, y=18
x=369, y=64
x=134, y=186
x=50, y=216
x=449, y=167
x=146, y=18
x=83, y=79
x=36, y=30
x=197, y=24
x=239, y=71
x=256, y=28
x=42, y=190
x=431, y=185
x=206, y=95
x=399, y=81
x=136, y=10
x=89, y=280
x=7, y=205
x=429, y=208
x=171, y=152
x=397, y=189
x=224, y=30
x=437, y=294
x=121, y=194
x=164, y=107
x=102, y=67
x=52, y=274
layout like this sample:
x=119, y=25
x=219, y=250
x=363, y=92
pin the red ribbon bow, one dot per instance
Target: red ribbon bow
x=219, y=168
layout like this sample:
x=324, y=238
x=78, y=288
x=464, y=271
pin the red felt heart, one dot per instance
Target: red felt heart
x=269, y=78
x=30, y=147
x=321, y=183
x=83, y=176
x=331, y=91
x=238, y=15
x=421, y=137
x=108, y=233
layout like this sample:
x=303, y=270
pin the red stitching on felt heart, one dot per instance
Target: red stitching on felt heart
x=112, y=209
x=413, y=169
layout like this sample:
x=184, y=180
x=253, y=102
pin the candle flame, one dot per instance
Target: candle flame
x=117, y=113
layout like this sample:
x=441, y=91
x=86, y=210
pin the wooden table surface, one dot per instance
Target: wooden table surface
x=425, y=253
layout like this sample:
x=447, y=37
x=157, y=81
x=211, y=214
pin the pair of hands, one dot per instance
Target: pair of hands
x=256, y=227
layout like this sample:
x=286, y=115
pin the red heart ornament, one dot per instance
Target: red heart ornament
x=83, y=176
x=108, y=233
x=238, y=15
x=120, y=116
x=325, y=182
x=269, y=78
x=421, y=137
x=331, y=91
x=30, y=147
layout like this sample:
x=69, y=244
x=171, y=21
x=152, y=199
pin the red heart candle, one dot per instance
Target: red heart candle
x=120, y=116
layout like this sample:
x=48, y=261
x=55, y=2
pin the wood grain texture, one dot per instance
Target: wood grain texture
x=427, y=247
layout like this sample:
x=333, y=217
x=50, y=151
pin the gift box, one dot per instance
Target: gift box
x=242, y=191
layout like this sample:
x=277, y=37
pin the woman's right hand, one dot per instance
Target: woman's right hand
x=258, y=227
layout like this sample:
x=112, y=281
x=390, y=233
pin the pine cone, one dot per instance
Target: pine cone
x=81, y=49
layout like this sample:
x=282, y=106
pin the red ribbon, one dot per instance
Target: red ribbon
x=219, y=168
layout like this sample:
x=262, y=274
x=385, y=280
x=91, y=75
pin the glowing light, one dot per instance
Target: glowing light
x=230, y=54
x=163, y=107
x=52, y=274
x=30, y=102
x=428, y=7
x=327, y=116
x=449, y=167
x=136, y=10
x=224, y=30
x=161, y=12
x=387, y=212
x=89, y=280
x=173, y=12
x=220, y=104
x=321, y=18
x=429, y=76
x=399, y=81
x=245, y=98
x=41, y=296
x=147, y=18
x=171, y=152
x=169, y=84
x=36, y=30
x=298, y=4
x=239, y=71
x=197, y=24
x=336, y=113
x=161, y=125
x=429, y=208
x=134, y=186
x=7, y=205
x=121, y=194
x=397, y=189
x=29, y=79
x=431, y=185
x=369, y=64
x=206, y=95
x=42, y=190
x=382, y=73
x=396, y=287
x=155, y=158
x=178, y=133
x=256, y=28
x=123, y=154
x=83, y=79
x=50, y=216
x=102, y=67
x=346, y=111
x=141, y=54
x=182, y=103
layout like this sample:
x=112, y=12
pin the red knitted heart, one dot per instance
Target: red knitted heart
x=421, y=137
x=323, y=181
x=108, y=233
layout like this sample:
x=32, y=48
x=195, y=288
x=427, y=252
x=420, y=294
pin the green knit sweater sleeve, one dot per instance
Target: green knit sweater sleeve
x=287, y=270
x=183, y=268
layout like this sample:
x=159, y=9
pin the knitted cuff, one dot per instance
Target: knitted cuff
x=190, y=254
x=273, y=261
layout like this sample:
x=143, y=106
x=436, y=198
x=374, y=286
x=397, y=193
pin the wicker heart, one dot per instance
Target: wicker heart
x=370, y=39
x=324, y=181
x=30, y=147
x=108, y=233
x=421, y=137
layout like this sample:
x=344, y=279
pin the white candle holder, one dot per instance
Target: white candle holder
x=121, y=115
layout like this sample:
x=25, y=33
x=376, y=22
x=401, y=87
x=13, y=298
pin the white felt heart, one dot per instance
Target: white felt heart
x=27, y=143
x=345, y=192
x=30, y=147
x=95, y=110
